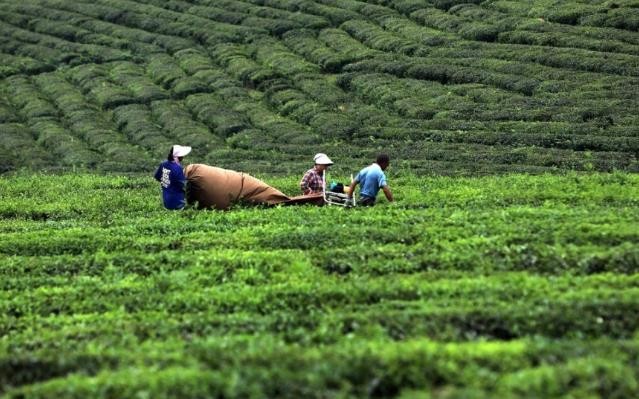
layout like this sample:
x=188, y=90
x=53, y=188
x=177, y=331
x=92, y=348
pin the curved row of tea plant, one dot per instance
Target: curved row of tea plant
x=482, y=86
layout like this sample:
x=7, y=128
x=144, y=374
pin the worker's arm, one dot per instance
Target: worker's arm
x=158, y=174
x=351, y=188
x=388, y=193
x=304, y=185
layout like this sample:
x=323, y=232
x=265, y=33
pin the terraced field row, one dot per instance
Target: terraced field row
x=261, y=85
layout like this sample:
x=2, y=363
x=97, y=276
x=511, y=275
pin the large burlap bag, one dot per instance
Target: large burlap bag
x=218, y=188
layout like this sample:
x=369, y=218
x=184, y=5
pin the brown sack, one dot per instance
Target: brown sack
x=219, y=188
x=256, y=191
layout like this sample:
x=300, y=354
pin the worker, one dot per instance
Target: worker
x=372, y=178
x=172, y=179
x=313, y=180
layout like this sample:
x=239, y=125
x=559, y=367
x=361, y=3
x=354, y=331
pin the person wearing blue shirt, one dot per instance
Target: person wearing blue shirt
x=372, y=179
x=171, y=178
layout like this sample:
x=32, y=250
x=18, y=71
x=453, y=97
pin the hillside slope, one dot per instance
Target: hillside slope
x=444, y=86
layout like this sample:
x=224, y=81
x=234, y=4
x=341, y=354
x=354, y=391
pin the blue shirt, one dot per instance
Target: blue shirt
x=371, y=178
x=172, y=180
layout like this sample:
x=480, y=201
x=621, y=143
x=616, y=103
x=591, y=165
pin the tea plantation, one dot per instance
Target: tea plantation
x=447, y=86
x=511, y=286
x=508, y=267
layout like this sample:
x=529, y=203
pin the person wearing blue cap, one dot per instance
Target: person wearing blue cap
x=171, y=178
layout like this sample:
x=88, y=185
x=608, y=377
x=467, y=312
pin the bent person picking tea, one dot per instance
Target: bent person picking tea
x=371, y=179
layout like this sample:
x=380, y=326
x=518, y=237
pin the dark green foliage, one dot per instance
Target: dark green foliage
x=13, y=65
x=278, y=57
x=96, y=82
x=276, y=17
x=164, y=70
x=345, y=45
x=448, y=4
x=215, y=114
x=136, y=122
x=293, y=103
x=133, y=77
x=61, y=144
x=239, y=63
x=193, y=61
x=18, y=139
x=7, y=113
x=474, y=82
x=619, y=18
x=566, y=40
x=447, y=74
x=375, y=37
x=86, y=122
x=177, y=121
x=37, y=33
x=305, y=43
x=334, y=14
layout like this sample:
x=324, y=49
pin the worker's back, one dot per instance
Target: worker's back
x=371, y=179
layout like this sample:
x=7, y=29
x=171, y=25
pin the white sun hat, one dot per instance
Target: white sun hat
x=180, y=150
x=322, y=159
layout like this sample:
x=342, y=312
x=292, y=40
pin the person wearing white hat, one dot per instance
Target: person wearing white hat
x=313, y=180
x=171, y=178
